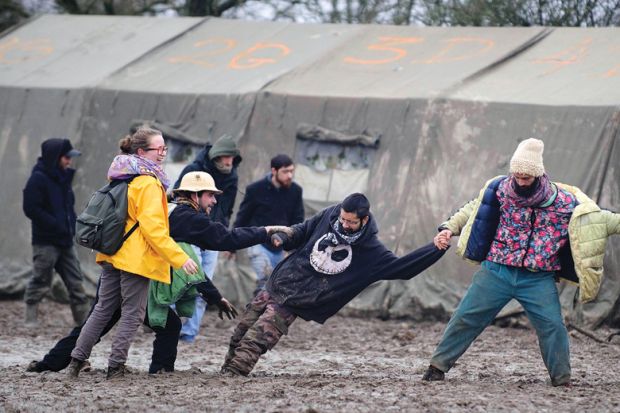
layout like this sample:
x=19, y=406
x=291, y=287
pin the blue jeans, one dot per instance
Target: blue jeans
x=491, y=289
x=208, y=261
x=263, y=262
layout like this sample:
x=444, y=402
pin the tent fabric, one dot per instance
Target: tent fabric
x=449, y=105
x=317, y=133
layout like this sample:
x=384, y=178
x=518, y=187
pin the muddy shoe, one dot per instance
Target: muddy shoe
x=75, y=367
x=116, y=372
x=228, y=371
x=86, y=367
x=33, y=367
x=561, y=382
x=433, y=374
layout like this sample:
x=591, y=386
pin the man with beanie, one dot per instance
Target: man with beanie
x=526, y=231
x=272, y=200
x=48, y=201
x=221, y=161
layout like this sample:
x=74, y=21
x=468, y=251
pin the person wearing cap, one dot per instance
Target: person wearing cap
x=190, y=224
x=526, y=231
x=48, y=201
x=221, y=161
x=272, y=200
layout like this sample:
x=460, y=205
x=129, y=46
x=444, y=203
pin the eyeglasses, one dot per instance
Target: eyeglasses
x=160, y=150
x=350, y=222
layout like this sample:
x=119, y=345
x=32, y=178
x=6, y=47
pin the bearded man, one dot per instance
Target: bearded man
x=273, y=200
x=337, y=255
x=527, y=231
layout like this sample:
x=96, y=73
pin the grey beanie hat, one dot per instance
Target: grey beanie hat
x=224, y=146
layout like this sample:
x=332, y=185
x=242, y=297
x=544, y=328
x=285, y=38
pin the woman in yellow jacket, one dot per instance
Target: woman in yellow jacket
x=147, y=254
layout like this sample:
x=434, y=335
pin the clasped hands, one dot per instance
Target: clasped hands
x=272, y=230
x=442, y=239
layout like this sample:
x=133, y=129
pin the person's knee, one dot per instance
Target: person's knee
x=174, y=324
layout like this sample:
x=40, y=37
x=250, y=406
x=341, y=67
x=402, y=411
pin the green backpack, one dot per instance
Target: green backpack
x=101, y=226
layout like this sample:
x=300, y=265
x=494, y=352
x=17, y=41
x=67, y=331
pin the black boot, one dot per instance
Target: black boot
x=80, y=313
x=230, y=371
x=116, y=372
x=34, y=367
x=433, y=374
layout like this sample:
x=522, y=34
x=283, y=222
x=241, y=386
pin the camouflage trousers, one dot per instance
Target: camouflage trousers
x=262, y=324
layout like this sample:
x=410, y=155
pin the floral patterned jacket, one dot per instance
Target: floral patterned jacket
x=531, y=237
x=588, y=230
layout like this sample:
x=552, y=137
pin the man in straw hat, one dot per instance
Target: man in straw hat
x=526, y=231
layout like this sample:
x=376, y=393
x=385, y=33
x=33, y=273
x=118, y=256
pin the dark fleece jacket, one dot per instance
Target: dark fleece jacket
x=48, y=199
x=196, y=228
x=315, y=295
x=264, y=204
x=227, y=183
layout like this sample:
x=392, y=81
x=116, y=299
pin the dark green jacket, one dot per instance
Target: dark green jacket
x=181, y=291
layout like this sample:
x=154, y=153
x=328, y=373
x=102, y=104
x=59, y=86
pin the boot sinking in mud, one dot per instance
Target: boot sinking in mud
x=75, y=367
x=433, y=374
x=228, y=371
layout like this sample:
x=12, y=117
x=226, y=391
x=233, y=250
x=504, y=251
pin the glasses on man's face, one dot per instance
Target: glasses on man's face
x=349, y=222
x=160, y=149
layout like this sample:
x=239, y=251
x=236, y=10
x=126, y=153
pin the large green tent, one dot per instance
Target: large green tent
x=417, y=118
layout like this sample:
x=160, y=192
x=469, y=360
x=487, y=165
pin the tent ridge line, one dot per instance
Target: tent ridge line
x=537, y=38
x=157, y=47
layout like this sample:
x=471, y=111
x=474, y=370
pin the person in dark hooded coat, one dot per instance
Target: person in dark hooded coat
x=48, y=201
x=336, y=255
x=221, y=161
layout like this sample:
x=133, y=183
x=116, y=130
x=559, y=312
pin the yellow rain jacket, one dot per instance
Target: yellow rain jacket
x=149, y=251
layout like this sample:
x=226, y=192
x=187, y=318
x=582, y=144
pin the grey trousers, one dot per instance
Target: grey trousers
x=117, y=289
x=46, y=259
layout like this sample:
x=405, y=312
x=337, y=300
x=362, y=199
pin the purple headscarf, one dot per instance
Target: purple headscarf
x=126, y=166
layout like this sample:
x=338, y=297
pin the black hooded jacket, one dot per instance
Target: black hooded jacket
x=48, y=198
x=196, y=228
x=317, y=294
x=227, y=183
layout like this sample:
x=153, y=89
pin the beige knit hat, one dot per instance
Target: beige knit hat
x=528, y=159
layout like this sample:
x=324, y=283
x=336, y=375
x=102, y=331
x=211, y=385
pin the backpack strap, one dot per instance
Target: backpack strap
x=115, y=182
x=135, y=226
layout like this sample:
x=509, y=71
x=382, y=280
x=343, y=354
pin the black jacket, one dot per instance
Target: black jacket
x=227, y=183
x=264, y=204
x=48, y=199
x=196, y=228
x=316, y=295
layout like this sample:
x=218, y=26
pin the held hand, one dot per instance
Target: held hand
x=442, y=239
x=276, y=240
x=190, y=266
x=227, y=308
x=272, y=229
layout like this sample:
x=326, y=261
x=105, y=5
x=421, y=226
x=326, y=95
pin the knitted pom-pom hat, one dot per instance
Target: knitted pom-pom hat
x=528, y=159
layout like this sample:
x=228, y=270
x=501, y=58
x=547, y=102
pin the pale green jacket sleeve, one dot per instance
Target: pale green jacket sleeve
x=457, y=221
x=613, y=222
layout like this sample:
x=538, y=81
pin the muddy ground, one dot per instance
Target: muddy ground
x=349, y=364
